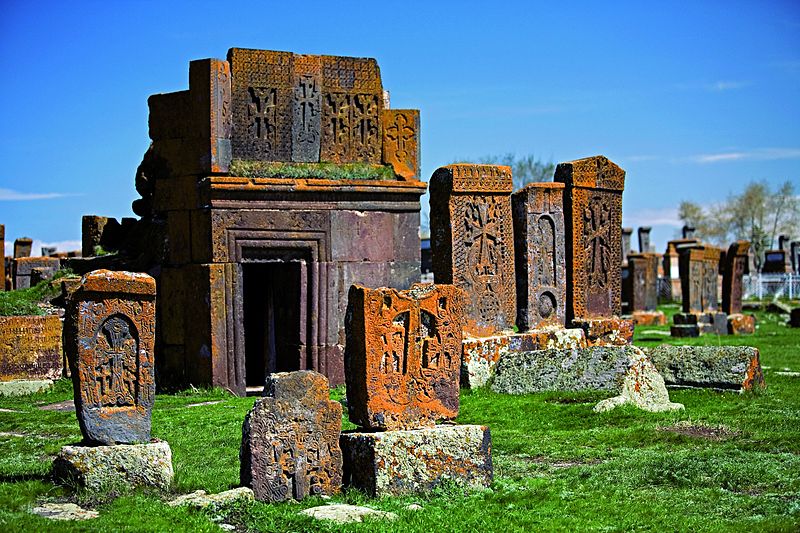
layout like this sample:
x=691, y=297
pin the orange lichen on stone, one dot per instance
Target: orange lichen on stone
x=403, y=355
x=613, y=331
x=401, y=146
x=30, y=347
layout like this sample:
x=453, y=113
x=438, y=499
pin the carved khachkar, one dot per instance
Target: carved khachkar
x=593, y=215
x=643, y=280
x=403, y=355
x=472, y=242
x=699, y=268
x=290, y=439
x=303, y=108
x=736, y=265
x=109, y=333
x=401, y=147
x=538, y=213
x=22, y=247
x=644, y=239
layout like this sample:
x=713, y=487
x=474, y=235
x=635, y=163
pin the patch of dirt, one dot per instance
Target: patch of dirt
x=569, y=400
x=702, y=431
x=68, y=405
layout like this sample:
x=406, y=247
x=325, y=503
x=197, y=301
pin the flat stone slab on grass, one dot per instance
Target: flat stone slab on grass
x=200, y=499
x=134, y=465
x=716, y=367
x=417, y=460
x=23, y=387
x=346, y=514
x=64, y=511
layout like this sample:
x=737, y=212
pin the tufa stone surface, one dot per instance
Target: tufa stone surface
x=641, y=285
x=100, y=467
x=30, y=348
x=613, y=331
x=290, y=439
x=717, y=367
x=642, y=387
x=472, y=242
x=23, y=387
x=735, y=265
x=403, y=355
x=538, y=213
x=480, y=355
x=409, y=461
x=593, y=221
x=22, y=247
x=109, y=337
x=649, y=318
x=343, y=513
x=64, y=511
x=699, y=268
x=24, y=267
x=741, y=324
x=200, y=499
x=401, y=143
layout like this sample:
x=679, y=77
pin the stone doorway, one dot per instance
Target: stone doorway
x=275, y=311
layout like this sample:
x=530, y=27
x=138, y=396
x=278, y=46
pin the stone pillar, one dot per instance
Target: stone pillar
x=22, y=247
x=109, y=337
x=644, y=273
x=538, y=212
x=626, y=244
x=472, y=242
x=593, y=213
x=736, y=265
x=644, y=239
x=687, y=232
x=795, y=250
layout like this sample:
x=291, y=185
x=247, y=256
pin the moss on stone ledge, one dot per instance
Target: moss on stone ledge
x=331, y=171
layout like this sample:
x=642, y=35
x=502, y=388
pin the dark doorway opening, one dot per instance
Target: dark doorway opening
x=273, y=300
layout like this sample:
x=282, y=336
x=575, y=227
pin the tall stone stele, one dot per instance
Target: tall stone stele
x=736, y=266
x=109, y=335
x=593, y=213
x=290, y=439
x=538, y=212
x=472, y=242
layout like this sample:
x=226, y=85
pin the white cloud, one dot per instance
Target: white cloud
x=36, y=248
x=12, y=195
x=714, y=86
x=666, y=216
x=758, y=154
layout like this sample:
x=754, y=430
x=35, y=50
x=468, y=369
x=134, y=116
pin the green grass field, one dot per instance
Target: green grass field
x=729, y=462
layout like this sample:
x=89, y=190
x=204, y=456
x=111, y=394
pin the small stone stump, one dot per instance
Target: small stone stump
x=403, y=359
x=715, y=367
x=290, y=439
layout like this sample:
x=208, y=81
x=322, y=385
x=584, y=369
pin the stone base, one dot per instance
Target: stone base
x=649, y=318
x=714, y=323
x=101, y=467
x=684, y=330
x=612, y=331
x=418, y=460
x=480, y=354
x=23, y=387
x=739, y=324
x=716, y=367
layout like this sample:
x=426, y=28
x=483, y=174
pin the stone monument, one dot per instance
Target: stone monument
x=290, y=439
x=626, y=244
x=735, y=266
x=109, y=338
x=22, y=247
x=641, y=289
x=403, y=359
x=699, y=271
x=644, y=239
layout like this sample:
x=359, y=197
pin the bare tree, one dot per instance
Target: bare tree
x=524, y=169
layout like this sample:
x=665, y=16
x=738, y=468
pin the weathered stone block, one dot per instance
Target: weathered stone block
x=403, y=355
x=606, y=331
x=480, y=354
x=23, y=387
x=649, y=318
x=717, y=367
x=740, y=324
x=593, y=221
x=22, y=247
x=736, y=265
x=30, y=348
x=410, y=461
x=472, y=242
x=109, y=340
x=401, y=146
x=23, y=268
x=684, y=330
x=101, y=467
x=538, y=213
x=290, y=439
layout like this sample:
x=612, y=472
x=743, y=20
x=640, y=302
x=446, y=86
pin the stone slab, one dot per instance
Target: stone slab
x=649, y=318
x=64, y=511
x=612, y=331
x=412, y=461
x=100, y=467
x=200, y=499
x=684, y=330
x=30, y=348
x=343, y=513
x=480, y=354
x=23, y=387
x=741, y=324
x=716, y=367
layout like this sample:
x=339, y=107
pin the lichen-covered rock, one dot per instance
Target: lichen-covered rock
x=343, y=513
x=30, y=348
x=23, y=387
x=612, y=331
x=480, y=354
x=64, y=511
x=642, y=387
x=98, y=467
x=290, y=439
x=717, y=367
x=200, y=499
x=649, y=318
x=741, y=324
x=409, y=461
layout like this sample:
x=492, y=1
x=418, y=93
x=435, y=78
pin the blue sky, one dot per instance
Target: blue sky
x=693, y=99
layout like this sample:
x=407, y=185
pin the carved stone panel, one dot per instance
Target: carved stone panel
x=262, y=92
x=711, y=259
x=306, y=108
x=538, y=213
x=22, y=247
x=290, y=439
x=401, y=146
x=403, y=355
x=109, y=338
x=472, y=242
x=692, y=273
x=593, y=213
x=643, y=272
x=736, y=265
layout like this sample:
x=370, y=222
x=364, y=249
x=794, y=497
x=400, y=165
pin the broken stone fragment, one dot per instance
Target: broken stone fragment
x=64, y=511
x=716, y=367
x=200, y=499
x=346, y=514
